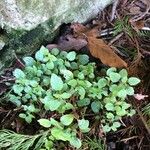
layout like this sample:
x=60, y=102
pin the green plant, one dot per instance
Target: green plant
x=123, y=25
x=66, y=84
x=13, y=141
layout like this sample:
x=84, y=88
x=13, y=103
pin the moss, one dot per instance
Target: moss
x=26, y=42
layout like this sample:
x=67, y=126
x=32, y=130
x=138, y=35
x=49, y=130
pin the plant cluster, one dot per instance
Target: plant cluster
x=65, y=85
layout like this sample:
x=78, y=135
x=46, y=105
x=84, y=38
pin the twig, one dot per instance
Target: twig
x=142, y=15
x=114, y=10
x=115, y=38
x=130, y=138
x=19, y=61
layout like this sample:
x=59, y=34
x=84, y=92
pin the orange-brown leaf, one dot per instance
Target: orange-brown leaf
x=100, y=50
x=97, y=47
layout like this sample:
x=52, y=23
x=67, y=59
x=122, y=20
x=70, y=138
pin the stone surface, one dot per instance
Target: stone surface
x=26, y=24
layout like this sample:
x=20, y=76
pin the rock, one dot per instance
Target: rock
x=28, y=24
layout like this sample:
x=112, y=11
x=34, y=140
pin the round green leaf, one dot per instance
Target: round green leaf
x=110, y=70
x=102, y=83
x=114, y=77
x=29, y=61
x=56, y=82
x=83, y=59
x=117, y=124
x=96, y=106
x=130, y=90
x=83, y=102
x=75, y=142
x=83, y=125
x=55, y=51
x=67, y=119
x=109, y=106
x=71, y=56
x=18, y=73
x=110, y=115
x=122, y=93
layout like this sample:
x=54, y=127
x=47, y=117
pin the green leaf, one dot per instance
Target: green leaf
x=68, y=75
x=29, y=61
x=117, y=124
x=123, y=73
x=63, y=54
x=109, y=106
x=74, y=65
x=51, y=104
x=15, y=99
x=102, y=82
x=121, y=113
x=96, y=106
x=72, y=83
x=133, y=81
x=50, y=65
x=45, y=123
x=66, y=95
x=131, y=113
x=125, y=105
x=56, y=123
x=56, y=82
x=110, y=116
x=17, y=89
x=110, y=70
x=122, y=93
x=75, y=142
x=18, y=73
x=84, y=125
x=83, y=59
x=39, y=55
x=81, y=92
x=81, y=76
x=83, y=102
x=60, y=134
x=67, y=119
x=130, y=90
x=71, y=56
x=106, y=128
x=55, y=51
x=33, y=83
x=114, y=77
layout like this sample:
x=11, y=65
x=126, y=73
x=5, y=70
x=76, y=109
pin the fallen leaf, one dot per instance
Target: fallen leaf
x=68, y=42
x=98, y=48
x=137, y=25
x=140, y=96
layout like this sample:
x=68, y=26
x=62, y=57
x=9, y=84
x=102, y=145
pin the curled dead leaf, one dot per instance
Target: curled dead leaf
x=98, y=48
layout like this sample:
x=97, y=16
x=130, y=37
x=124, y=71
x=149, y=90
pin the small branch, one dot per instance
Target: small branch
x=115, y=38
x=114, y=10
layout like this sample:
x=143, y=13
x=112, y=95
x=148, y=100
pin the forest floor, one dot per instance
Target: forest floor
x=123, y=32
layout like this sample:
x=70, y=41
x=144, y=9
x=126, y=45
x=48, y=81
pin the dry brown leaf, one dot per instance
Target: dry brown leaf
x=68, y=42
x=98, y=48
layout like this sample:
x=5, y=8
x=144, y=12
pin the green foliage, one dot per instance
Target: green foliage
x=123, y=25
x=66, y=85
x=12, y=141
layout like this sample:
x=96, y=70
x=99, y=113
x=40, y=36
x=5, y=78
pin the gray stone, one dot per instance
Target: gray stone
x=27, y=24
